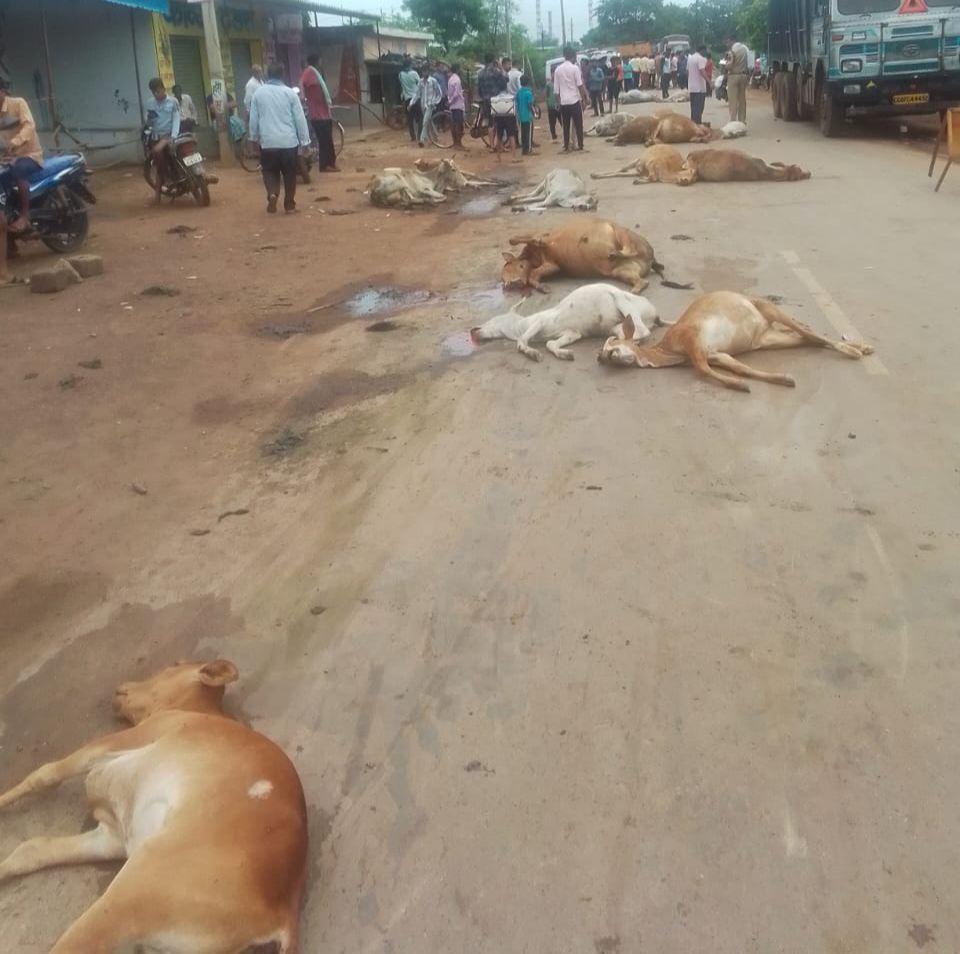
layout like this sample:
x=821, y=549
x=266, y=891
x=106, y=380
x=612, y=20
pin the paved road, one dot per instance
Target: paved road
x=623, y=662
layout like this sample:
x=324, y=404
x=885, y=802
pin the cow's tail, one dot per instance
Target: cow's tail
x=658, y=268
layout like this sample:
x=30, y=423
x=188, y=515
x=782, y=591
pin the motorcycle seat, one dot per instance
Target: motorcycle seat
x=50, y=168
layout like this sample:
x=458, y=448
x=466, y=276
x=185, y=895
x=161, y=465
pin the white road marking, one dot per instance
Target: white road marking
x=832, y=311
x=897, y=590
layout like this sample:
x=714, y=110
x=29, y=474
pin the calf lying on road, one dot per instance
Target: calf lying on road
x=561, y=189
x=208, y=815
x=716, y=327
x=587, y=247
x=591, y=311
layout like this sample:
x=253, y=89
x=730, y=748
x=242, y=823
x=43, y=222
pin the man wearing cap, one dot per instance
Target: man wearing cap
x=21, y=154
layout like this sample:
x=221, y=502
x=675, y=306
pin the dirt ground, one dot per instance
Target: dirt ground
x=568, y=658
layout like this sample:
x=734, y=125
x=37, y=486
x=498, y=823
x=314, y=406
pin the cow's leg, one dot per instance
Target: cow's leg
x=627, y=170
x=745, y=371
x=523, y=342
x=544, y=271
x=630, y=272
x=557, y=347
x=698, y=359
x=101, y=844
x=81, y=761
x=774, y=337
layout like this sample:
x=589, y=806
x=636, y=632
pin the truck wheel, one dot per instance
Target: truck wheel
x=775, y=87
x=830, y=113
x=790, y=97
x=804, y=110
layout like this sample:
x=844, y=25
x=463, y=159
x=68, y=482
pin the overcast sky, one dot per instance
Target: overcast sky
x=575, y=10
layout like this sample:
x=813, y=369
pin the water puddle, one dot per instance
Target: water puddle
x=482, y=298
x=373, y=301
x=484, y=205
x=458, y=345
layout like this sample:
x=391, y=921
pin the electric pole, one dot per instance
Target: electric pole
x=563, y=24
x=218, y=85
x=506, y=4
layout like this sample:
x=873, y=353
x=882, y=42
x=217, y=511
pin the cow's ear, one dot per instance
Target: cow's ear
x=509, y=256
x=629, y=328
x=218, y=673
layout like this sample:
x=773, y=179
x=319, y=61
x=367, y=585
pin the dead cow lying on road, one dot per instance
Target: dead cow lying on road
x=446, y=176
x=609, y=125
x=208, y=814
x=428, y=185
x=715, y=328
x=655, y=164
x=676, y=128
x=732, y=165
x=561, y=189
x=591, y=311
x=639, y=129
x=586, y=247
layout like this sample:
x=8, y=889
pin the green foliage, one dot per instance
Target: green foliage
x=752, y=24
x=450, y=20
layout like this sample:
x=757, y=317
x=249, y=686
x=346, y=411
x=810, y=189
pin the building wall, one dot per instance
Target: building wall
x=391, y=44
x=93, y=69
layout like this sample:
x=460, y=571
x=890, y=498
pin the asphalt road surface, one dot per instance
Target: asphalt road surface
x=569, y=658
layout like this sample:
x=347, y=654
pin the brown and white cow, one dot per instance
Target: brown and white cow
x=655, y=164
x=716, y=327
x=584, y=247
x=208, y=816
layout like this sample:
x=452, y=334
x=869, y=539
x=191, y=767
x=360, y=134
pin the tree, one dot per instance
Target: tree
x=752, y=24
x=450, y=20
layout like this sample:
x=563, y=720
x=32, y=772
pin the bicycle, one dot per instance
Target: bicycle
x=248, y=153
x=440, y=132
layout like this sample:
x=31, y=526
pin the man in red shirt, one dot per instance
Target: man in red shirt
x=318, y=112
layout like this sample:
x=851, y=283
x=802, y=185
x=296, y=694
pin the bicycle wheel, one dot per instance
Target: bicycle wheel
x=338, y=137
x=441, y=130
x=249, y=155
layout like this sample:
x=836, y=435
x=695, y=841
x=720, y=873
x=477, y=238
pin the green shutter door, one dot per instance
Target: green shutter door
x=188, y=72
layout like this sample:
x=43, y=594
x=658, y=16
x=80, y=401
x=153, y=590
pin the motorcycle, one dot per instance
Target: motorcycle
x=184, y=173
x=58, y=200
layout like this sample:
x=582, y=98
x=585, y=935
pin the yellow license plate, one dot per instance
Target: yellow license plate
x=906, y=98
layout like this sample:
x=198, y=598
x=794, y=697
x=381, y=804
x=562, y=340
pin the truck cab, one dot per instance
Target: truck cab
x=837, y=58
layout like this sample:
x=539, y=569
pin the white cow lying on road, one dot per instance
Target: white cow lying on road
x=562, y=188
x=396, y=187
x=591, y=311
x=733, y=130
x=609, y=125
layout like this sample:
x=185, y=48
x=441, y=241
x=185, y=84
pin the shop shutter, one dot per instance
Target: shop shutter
x=242, y=65
x=188, y=72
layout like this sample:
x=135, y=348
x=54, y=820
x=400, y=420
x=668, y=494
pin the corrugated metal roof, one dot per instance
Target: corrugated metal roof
x=323, y=8
x=155, y=6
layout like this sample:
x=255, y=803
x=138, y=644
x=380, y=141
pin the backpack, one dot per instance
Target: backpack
x=503, y=104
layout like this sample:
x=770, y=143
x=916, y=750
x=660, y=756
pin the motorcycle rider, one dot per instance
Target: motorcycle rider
x=163, y=118
x=20, y=150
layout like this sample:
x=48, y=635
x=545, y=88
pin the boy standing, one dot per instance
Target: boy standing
x=525, y=112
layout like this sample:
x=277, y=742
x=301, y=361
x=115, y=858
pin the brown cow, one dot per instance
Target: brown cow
x=208, y=816
x=675, y=128
x=732, y=165
x=655, y=164
x=716, y=327
x=638, y=130
x=585, y=247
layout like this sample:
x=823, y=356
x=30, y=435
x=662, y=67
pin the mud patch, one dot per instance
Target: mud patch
x=481, y=298
x=384, y=300
x=285, y=443
x=383, y=326
x=481, y=206
x=284, y=331
x=342, y=388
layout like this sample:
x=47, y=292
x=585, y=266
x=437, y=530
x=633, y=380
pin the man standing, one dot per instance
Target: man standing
x=490, y=82
x=737, y=76
x=277, y=122
x=319, y=102
x=20, y=153
x=598, y=79
x=253, y=84
x=665, y=75
x=457, y=105
x=409, y=78
x=164, y=113
x=697, y=83
x=513, y=75
x=571, y=94
x=427, y=97
x=553, y=111
x=188, y=112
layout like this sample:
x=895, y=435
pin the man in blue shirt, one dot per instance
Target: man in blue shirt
x=279, y=125
x=163, y=116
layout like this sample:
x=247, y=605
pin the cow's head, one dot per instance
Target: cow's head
x=794, y=173
x=516, y=271
x=187, y=686
x=623, y=351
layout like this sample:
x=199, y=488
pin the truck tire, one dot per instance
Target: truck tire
x=775, y=87
x=805, y=111
x=790, y=97
x=829, y=113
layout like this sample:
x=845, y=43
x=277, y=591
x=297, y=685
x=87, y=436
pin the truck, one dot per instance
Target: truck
x=674, y=43
x=833, y=59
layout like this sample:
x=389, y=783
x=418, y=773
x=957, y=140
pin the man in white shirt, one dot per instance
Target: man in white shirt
x=188, y=112
x=697, y=83
x=738, y=71
x=253, y=84
x=666, y=74
x=513, y=75
x=571, y=97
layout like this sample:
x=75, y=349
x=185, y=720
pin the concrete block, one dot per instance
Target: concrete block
x=86, y=266
x=55, y=278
